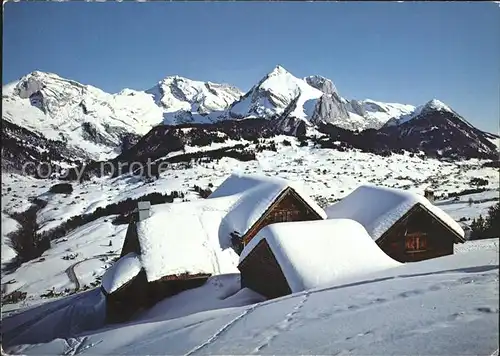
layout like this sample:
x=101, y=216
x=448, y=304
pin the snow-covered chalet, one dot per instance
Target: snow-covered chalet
x=292, y=257
x=176, y=246
x=406, y=225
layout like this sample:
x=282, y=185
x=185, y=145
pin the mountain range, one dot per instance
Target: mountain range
x=43, y=112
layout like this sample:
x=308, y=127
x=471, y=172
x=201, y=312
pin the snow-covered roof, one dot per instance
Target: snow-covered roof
x=194, y=237
x=121, y=272
x=317, y=253
x=253, y=194
x=183, y=238
x=378, y=208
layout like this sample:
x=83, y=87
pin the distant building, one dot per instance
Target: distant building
x=405, y=225
x=180, y=245
x=429, y=195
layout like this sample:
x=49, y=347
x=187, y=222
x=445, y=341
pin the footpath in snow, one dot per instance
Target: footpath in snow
x=444, y=306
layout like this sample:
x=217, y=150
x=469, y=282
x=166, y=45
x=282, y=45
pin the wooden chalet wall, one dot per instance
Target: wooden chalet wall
x=261, y=272
x=169, y=286
x=123, y=303
x=131, y=242
x=289, y=206
x=417, y=236
x=140, y=294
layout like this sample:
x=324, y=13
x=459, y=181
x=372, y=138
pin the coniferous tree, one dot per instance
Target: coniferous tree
x=492, y=223
x=478, y=228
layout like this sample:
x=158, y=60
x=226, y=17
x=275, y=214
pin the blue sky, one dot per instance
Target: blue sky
x=394, y=52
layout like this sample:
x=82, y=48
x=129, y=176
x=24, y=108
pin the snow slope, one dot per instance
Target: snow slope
x=9, y=225
x=326, y=175
x=86, y=250
x=444, y=306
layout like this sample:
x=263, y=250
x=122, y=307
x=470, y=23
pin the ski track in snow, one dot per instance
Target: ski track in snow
x=283, y=325
x=24, y=326
x=292, y=318
x=70, y=271
x=74, y=346
x=479, y=279
x=464, y=316
x=224, y=329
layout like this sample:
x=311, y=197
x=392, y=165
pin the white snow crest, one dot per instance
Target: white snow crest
x=121, y=272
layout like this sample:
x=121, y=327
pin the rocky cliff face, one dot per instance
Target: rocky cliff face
x=330, y=107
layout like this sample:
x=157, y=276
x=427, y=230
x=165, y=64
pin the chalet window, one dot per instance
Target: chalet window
x=416, y=242
x=284, y=215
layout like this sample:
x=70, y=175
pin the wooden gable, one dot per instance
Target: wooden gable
x=418, y=235
x=289, y=206
x=261, y=272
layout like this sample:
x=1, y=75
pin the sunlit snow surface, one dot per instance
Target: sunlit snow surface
x=444, y=306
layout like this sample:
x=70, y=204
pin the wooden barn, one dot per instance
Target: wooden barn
x=406, y=226
x=285, y=258
x=180, y=245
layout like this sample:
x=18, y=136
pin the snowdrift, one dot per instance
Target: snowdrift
x=121, y=272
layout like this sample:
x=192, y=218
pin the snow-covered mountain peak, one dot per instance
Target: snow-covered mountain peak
x=186, y=97
x=41, y=76
x=278, y=70
x=275, y=93
x=431, y=108
x=47, y=91
x=280, y=80
x=438, y=105
x=80, y=115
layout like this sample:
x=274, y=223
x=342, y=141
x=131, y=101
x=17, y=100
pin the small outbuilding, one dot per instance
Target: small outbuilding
x=405, y=225
x=290, y=257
